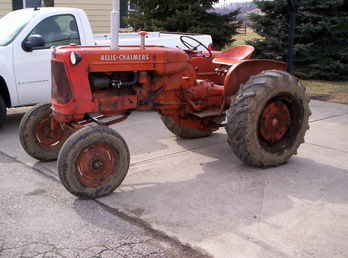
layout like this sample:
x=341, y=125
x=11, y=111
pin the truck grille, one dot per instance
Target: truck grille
x=61, y=91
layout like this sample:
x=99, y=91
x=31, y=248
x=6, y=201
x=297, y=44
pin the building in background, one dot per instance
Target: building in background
x=98, y=11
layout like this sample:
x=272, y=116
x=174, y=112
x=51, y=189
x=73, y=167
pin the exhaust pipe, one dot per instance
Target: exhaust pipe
x=115, y=24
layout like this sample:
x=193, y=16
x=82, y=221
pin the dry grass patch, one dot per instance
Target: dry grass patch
x=241, y=38
x=328, y=91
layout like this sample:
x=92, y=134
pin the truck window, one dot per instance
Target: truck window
x=58, y=30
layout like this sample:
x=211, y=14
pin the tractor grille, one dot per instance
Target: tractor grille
x=61, y=91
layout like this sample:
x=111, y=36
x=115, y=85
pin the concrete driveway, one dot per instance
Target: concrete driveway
x=199, y=193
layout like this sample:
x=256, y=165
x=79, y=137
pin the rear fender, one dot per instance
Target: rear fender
x=240, y=73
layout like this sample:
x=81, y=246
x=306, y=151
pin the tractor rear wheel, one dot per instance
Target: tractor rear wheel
x=268, y=119
x=93, y=162
x=36, y=136
x=183, y=131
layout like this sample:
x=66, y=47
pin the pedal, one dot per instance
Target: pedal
x=206, y=114
x=102, y=120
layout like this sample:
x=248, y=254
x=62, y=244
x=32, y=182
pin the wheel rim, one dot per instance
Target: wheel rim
x=275, y=121
x=95, y=164
x=46, y=136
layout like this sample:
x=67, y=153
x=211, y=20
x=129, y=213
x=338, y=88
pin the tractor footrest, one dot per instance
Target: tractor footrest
x=106, y=120
x=205, y=114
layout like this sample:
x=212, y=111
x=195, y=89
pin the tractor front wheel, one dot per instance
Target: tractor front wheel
x=36, y=135
x=268, y=119
x=181, y=130
x=93, y=162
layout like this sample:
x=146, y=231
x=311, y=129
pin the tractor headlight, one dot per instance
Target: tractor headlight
x=75, y=58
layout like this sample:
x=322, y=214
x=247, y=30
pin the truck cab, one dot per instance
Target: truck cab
x=26, y=41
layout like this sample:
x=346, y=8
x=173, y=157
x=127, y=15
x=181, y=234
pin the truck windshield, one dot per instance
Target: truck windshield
x=11, y=25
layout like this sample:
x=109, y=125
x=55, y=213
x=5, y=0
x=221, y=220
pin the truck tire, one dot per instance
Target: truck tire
x=268, y=119
x=3, y=111
x=93, y=162
x=182, y=131
x=36, y=137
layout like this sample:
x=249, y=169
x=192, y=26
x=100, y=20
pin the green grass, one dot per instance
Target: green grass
x=322, y=90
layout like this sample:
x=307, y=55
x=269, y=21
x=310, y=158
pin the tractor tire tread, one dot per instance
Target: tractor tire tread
x=27, y=138
x=243, y=112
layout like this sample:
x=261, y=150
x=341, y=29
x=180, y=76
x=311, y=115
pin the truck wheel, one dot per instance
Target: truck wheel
x=268, y=119
x=3, y=111
x=182, y=131
x=93, y=162
x=36, y=136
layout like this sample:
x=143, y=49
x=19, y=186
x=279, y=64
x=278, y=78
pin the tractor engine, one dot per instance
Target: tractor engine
x=113, y=80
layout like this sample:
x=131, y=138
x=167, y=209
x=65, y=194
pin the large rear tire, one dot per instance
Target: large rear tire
x=93, y=162
x=3, y=111
x=268, y=119
x=36, y=136
x=183, y=131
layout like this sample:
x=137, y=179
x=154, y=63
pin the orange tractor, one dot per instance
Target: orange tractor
x=264, y=109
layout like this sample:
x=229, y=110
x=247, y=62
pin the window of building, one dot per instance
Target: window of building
x=32, y=3
x=132, y=5
x=20, y=4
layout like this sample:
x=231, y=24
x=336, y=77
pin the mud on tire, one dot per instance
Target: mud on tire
x=93, y=162
x=268, y=119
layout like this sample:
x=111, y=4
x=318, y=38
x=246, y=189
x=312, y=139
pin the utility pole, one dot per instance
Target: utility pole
x=292, y=4
x=115, y=24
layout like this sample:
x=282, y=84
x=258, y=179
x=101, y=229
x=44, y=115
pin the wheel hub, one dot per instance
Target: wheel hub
x=275, y=121
x=95, y=164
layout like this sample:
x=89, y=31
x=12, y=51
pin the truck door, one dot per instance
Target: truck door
x=33, y=68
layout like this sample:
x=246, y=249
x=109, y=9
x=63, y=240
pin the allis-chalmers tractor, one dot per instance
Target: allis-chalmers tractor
x=264, y=109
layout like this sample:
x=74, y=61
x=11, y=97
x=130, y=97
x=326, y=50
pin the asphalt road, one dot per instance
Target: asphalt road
x=40, y=219
x=185, y=198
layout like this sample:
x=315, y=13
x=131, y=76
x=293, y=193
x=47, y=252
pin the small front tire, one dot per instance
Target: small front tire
x=36, y=136
x=93, y=162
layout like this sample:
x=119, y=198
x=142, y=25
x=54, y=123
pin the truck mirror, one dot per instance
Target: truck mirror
x=32, y=42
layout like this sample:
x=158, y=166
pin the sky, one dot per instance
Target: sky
x=221, y=2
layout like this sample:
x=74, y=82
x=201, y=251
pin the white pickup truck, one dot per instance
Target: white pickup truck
x=26, y=40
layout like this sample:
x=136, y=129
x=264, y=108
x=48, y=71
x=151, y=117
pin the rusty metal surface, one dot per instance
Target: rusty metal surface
x=95, y=164
x=240, y=73
x=275, y=121
x=48, y=133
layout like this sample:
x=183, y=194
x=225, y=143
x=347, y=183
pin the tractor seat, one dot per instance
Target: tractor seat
x=234, y=55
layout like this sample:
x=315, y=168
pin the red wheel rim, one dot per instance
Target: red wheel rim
x=95, y=164
x=47, y=136
x=275, y=121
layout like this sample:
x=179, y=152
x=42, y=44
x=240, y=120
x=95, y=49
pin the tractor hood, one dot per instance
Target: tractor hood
x=102, y=59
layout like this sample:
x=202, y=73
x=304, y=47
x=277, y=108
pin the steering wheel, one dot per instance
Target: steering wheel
x=184, y=41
